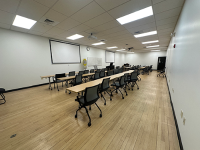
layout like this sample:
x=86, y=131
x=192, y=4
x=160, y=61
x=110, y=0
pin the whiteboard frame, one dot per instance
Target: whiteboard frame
x=65, y=43
x=114, y=56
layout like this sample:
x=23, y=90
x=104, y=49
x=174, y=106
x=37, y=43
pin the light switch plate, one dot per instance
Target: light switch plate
x=181, y=114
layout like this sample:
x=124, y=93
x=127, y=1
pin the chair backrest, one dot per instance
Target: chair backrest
x=86, y=72
x=126, y=77
x=105, y=84
x=103, y=69
x=60, y=75
x=115, y=71
x=134, y=75
x=121, y=81
x=81, y=72
x=117, y=67
x=96, y=75
x=78, y=79
x=109, y=73
x=72, y=73
x=91, y=95
x=98, y=70
x=120, y=70
x=92, y=71
x=102, y=74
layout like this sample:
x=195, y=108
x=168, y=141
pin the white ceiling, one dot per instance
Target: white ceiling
x=95, y=16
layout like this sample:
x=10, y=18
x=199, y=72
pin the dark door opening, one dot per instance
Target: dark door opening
x=161, y=63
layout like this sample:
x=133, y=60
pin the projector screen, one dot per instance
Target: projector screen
x=110, y=57
x=64, y=53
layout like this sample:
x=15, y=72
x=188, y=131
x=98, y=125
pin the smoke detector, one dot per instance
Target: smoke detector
x=91, y=36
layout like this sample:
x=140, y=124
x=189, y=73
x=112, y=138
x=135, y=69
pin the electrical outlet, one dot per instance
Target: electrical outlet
x=181, y=114
x=184, y=121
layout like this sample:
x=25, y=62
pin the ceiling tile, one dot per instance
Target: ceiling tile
x=143, y=28
x=6, y=17
x=148, y=38
x=166, y=26
x=164, y=33
x=19, y=29
x=107, y=26
x=79, y=28
x=9, y=5
x=90, y=11
x=166, y=21
x=168, y=14
x=48, y=3
x=99, y=20
x=129, y=7
x=167, y=5
x=109, y=4
x=41, y=27
x=69, y=23
x=5, y=26
x=166, y=30
x=157, y=1
x=92, y=31
x=113, y=30
x=31, y=9
x=55, y=31
x=69, y=7
x=53, y=15
x=35, y=32
x=139, y=22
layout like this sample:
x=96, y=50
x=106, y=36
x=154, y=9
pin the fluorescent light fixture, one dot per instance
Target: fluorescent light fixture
x=100, y=43
x=130, y=52
x=155, y=50
x=153, y=46
x=23, y=22
x=136, y=15
x=111, y=47
x=146, y=34
x=121, y=50
x=75, y=37
x=150, y=42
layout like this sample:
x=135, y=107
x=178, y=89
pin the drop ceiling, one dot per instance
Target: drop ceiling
x=95, y=16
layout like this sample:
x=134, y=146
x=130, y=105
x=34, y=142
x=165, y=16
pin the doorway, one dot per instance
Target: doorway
x=161, y=63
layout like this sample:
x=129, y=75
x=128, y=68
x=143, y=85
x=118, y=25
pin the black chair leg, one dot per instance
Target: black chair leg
x=100, y=110
x=2, y=95
x=103, y=98
x=109, y=95
x=137, y=85
x=57, y=86
x=125, y=91
x=121, y=93
x=77, y=111
x=89, y=123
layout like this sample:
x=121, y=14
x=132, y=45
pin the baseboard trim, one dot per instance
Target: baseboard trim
x=27, y=87
x=176, y=123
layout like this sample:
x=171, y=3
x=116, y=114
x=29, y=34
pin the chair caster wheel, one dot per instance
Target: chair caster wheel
x=89, y=124
x=110, y=99
x=132, y=89
x=51, y=88
x=75, y=116
x=100, y=115
x=104, y=103
x=111, y=95
x=126, y=94
x=89, y=108
x=138, y=88
x=69, y=92
x=122, y=97
x=58, y=90
x=128, y=89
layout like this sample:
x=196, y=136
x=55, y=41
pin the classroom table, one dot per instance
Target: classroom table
x=81, y=87
x=49, y=77
x=127, y=68
x=141, y=68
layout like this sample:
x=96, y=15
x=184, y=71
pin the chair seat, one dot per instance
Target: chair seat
x=115, y=84
x=58, y=81
x=2, y=90
x=81, y=100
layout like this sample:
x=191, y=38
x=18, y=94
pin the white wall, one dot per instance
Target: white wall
x=24, y=58
x=183, y=74
x=149, y=58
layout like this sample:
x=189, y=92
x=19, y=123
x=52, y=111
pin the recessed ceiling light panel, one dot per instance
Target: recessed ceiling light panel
x=153, y=46
x=155, y=50
x=100, y=43
x=23, y=22
x=121, y=50
x=136, y=15
x=111, y=47
x=146, y=34
x=75, y=37
x=150, y=42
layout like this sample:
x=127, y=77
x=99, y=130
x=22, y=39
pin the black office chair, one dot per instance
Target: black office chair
x=109, y=73
x=115, y=71
x=72, y=73
x=103, y=87
x=117, y=67
x=2, y=90
x=81, y=72
x=162, y=72
x=77, y=80
x=90, y=97
x=118, y=85
x=85, y=77
x=126, y=80
x=133, y=79
x=58, y=81
x=146, y=70
x=120, y=70
x=96, y=76
x=102, y=74
x=150, y=68
x=92, y=71
x=98, y=70
x=138, y=73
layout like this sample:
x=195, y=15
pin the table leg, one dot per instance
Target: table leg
x=50, y=83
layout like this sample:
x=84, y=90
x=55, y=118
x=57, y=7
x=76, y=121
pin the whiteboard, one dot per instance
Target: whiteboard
x=110, y=57
x=94, y=61
x=64, y=53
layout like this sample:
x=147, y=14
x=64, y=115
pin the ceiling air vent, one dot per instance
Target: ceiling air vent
x=48, y=21
x=138, y=32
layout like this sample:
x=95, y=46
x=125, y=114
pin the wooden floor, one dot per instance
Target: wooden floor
x=44, y=119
